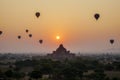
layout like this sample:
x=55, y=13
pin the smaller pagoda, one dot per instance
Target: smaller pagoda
x=61, y=53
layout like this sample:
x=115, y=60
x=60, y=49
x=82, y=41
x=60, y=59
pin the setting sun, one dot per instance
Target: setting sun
x=57, y=37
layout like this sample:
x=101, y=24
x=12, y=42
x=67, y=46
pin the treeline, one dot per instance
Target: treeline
x=89, y=64
x=48, y=69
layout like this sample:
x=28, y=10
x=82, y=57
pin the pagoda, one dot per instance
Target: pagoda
x=61, y=53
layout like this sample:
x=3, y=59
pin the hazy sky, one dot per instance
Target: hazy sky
x=72, y=20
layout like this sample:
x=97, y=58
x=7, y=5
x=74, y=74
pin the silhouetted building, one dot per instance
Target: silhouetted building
x=61, y=53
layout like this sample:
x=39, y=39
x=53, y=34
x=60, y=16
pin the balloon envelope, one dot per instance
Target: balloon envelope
x=41, y=41
x=111, y=41
x=30, y=35
x=37, y=14
x=1, y=32
x=97, y=16
x=19, y=37
x=27, y=30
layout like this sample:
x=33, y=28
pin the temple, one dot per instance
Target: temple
x=61, y=53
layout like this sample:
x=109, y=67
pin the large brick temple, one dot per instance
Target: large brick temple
x=61, y=53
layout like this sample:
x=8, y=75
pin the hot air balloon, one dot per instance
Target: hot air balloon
x=19, y=37
x=27, y=30
x=40, y=41
x=97, y=16
x=37, y=14
x=111, y=41
x=30, y=35
x=1, y=32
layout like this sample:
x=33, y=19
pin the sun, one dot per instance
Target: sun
x=57, y=37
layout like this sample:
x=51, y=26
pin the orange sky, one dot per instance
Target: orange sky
x=72, y=20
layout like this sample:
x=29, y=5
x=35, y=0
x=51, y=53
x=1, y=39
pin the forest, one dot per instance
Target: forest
x=49, y=69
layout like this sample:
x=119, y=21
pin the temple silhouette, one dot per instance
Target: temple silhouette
x=61, y=53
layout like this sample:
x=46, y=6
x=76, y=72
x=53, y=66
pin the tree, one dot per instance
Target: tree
x=98, y=75
x=35, y=74
x=109, y=67
x=2, y=76
x=9, y=73
x=114, y=78
x=69, y=73
x=46, y=67
x=18, y=75
x=107, y=78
